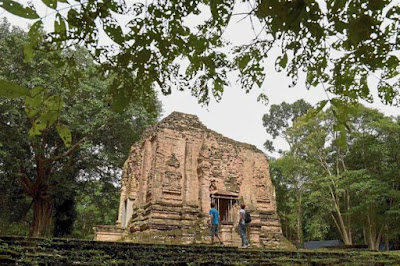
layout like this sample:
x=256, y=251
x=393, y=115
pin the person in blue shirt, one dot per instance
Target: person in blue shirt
x=214, y=220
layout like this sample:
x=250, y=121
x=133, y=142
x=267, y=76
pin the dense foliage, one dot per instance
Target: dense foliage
x=339, y=44
x=50, y=168
x=328, y=189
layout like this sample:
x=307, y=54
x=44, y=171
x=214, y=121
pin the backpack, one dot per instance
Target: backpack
x=247, y=217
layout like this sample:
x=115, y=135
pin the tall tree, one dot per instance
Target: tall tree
x=280, y=118
x=320, y=144
x=289, y=176
x=374, y=160
x=89, y=139
x=355, y=184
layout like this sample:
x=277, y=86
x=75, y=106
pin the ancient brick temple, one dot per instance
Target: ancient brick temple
x=173, y=174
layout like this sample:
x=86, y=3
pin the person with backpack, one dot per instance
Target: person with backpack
x=244, y=218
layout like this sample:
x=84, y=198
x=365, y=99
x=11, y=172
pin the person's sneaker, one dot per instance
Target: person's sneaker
x=222, y=244
x=247, y=246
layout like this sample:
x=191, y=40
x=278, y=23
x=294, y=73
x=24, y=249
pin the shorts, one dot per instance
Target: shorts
x=214, y=229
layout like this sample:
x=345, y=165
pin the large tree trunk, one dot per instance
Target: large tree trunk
x=41, y=199
x=374, y=235
x=344, y=227
x=343, y=224
x=348, y=218
x=42, y=214
x=344, y=230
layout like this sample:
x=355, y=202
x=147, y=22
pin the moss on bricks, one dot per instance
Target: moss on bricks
x=36, y=251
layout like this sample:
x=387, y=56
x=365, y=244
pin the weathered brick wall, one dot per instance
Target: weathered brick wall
x=169, y=177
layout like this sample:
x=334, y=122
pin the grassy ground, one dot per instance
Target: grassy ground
x=41, y=251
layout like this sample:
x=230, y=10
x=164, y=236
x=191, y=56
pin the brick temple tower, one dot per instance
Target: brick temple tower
x=173, y=174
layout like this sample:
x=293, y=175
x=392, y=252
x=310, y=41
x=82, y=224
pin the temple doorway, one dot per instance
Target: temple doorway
x=224, y=203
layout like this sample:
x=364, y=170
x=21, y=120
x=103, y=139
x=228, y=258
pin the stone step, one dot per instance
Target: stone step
x=21, y=250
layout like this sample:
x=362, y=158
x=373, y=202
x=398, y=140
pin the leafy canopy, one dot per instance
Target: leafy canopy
x=40, y=164
x=337, y=43
x=349, y=192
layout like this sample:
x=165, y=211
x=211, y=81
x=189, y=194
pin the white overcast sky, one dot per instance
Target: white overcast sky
x=238, y=115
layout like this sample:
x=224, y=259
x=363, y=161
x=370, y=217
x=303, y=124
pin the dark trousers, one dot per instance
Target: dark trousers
x=242, y=232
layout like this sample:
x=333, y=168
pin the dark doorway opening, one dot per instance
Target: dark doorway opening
x=224, y=204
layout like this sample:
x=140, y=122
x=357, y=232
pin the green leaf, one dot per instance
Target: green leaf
x=214, y=9
x=65, y=134
x=113, y=30
x=337, y=5
x=36, y=91
x=321, y=105
x=34, y=102
x=336, y=102
x=50, y=3
x=32, y=110
x=11, y=90
x=18, y=10
x=360, y=29
x=34, y=37
x=54, y=103
x=28, y=52
x=281, y=61
x=311, y=79
x=119, y=8
x=59, y=24
x=46, y=120
x=244, y=61
x=34, y=31
x=218, y=89
x=37, y=128
x=393, y=61
x=73, y=19
x=284, y=61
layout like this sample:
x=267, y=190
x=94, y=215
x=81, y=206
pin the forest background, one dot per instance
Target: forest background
x=48, y=84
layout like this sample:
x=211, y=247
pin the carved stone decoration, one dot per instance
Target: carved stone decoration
x=213, y=186
x=176, y=170
x=173, y=162
x=262, y=193
x=172, y=181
